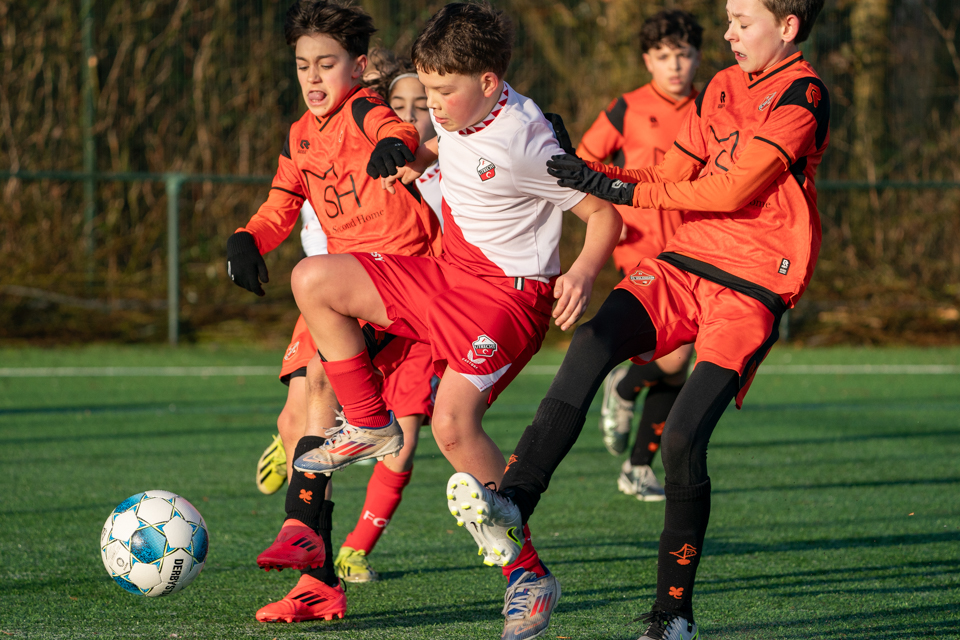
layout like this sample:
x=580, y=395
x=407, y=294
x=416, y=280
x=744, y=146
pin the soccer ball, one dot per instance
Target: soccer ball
x=154, y=543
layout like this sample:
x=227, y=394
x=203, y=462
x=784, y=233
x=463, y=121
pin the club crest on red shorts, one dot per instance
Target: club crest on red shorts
x=291, y=350
x=484, y=347
x=641, y=279
x=486, y=169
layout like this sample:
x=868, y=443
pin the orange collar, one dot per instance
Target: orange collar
x=754, y=79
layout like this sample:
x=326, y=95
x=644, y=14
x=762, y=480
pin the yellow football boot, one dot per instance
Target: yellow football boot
x=272, y=467
x=352, y=566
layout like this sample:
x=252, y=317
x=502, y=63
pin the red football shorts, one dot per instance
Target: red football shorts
x=484, y=329
x=727, y=328
x=405, y=363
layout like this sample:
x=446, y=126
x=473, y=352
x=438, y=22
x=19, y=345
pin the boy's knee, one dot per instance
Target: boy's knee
x=290, y=425
x=307, y=276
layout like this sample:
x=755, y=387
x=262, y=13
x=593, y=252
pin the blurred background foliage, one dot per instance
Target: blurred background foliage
x=209, y=87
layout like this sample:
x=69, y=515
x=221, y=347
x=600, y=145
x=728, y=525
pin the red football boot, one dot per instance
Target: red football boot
x=297, y=547
x=311, y=599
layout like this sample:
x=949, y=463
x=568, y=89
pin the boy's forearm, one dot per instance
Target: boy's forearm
x=603, y=233
x=755, y=170
x=426, y=156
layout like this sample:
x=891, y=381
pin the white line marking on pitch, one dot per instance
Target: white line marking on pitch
x=535, y=370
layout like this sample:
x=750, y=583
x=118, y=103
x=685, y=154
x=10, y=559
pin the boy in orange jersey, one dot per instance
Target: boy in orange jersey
x=348, y=136
x=485, y=304
x=636, y=130
x=742, y=170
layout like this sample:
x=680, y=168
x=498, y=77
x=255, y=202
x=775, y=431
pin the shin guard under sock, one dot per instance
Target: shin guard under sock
x=638, y=378
x=384, y=492
x=656, y=408
x=357, y=384
x=541, y=448
x=528, y=558
x=325, y=573
x=305, y=491
x=681, y=544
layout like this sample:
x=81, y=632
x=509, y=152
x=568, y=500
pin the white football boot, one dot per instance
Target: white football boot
x=492, y=520
x=352, y=444
x=528, y=603
x=616, y=414
x=640, y=481
x=668, y=626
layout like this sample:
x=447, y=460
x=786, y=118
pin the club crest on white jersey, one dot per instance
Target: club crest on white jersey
x=486, y=170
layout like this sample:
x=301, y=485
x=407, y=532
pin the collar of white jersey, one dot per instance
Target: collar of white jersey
x=486, y=122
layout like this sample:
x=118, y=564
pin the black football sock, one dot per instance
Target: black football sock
x=638, y=378
x=621, y=329
x=305, y=491
x=325, y=573
x=684, y=526
x=656, y=408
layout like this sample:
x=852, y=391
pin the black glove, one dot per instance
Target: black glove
x=560, y=132
x=245, y=264
x=387, y=157
x=574, y=173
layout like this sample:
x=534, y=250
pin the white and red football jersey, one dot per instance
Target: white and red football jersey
x=502, y=210
x=312, y=237
x=429, y=186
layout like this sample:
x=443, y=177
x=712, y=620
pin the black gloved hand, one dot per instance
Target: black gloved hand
x=560, y=131
x=574, y=173
x=245, y=265
x=387, y=157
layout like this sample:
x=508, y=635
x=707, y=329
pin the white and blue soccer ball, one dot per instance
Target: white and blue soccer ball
x=154, y=543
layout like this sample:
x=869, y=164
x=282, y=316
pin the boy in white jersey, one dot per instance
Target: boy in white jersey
x=485, y=304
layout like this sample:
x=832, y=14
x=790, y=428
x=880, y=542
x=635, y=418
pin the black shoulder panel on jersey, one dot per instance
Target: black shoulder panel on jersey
x=286, y=145
x=811, y=94
x=362, y=106
x=699, y=99
x=616, y=114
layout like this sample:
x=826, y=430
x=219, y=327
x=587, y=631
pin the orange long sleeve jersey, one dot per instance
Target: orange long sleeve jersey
x=636, y=131
x=742, y=168
x=324, y=160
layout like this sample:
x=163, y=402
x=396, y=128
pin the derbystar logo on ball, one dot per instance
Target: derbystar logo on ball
x=486, y=169
x=484, y=347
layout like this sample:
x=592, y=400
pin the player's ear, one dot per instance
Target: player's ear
x=790, y=28
x=648, y=61
x=359, y=66
x=489, y=81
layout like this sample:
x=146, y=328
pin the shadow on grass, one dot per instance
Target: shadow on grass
x=887, y=624
x=841, y=485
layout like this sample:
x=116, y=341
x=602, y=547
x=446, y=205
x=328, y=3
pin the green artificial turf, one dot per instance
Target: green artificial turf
x=836, y=509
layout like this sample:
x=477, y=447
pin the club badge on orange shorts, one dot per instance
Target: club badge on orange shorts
x=292, y=350
x=641, y=279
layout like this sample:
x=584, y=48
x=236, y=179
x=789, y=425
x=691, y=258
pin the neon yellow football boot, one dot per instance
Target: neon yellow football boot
x=352, y=566
x=272, y=467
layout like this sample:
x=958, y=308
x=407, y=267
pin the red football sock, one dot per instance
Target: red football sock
x=383, y=496
x=357, y=383
x=528, y=558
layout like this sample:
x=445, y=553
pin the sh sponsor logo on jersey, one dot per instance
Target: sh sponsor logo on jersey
x=483, y=347
x=486, y=169
x=641, y=279
x=766, y=101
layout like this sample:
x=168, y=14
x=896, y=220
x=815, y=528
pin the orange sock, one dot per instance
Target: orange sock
x=528, y=558
x=384, y=492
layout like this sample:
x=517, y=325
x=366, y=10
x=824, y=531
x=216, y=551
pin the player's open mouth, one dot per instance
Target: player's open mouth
x=739, y=56
x=316, y=97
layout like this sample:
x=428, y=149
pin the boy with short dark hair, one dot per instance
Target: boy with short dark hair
x=635, y=131
x=485, y=304
x=742, y=168
x=330, y=157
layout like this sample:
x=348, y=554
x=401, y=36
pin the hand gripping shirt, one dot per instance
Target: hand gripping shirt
x=743, y=167
x=502, y=211
x=636, y=131
x=324, y=161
